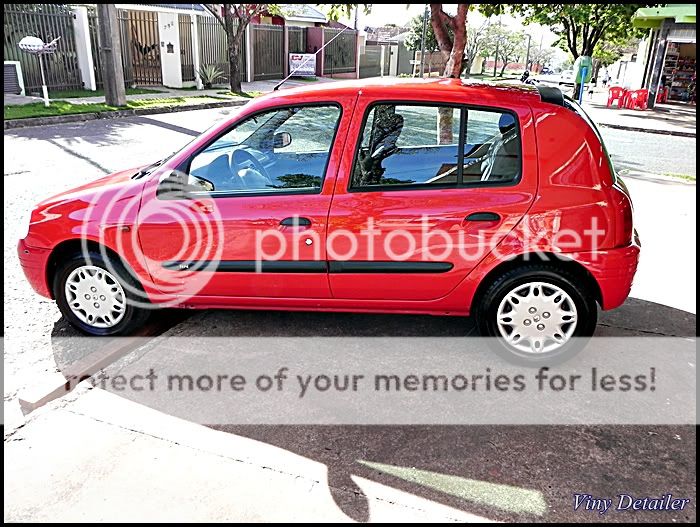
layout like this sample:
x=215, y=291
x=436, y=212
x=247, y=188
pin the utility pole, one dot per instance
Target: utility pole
x=527, y=57
x=111, y=55
x=498, y=42
x=357, y=9
x=422, y=41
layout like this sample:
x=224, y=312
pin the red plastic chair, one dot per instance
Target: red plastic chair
x=616, y=93
x=637, y=99
x=662, y=96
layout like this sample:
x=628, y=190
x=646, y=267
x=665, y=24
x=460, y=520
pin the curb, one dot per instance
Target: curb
x=79, y=117
x=676, y=133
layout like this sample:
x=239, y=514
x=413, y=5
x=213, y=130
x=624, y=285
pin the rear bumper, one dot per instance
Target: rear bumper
x=614, y=271
x=33, y=261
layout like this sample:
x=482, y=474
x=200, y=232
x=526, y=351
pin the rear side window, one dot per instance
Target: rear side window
x=414, y=146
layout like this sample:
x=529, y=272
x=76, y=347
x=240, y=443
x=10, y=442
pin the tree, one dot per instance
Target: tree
x=414, y=37
x=541, y=55
x=476, y=38
x=505, y=45
x=235, y=18
x=580, y=27
x=605, y=53
x=451, y=36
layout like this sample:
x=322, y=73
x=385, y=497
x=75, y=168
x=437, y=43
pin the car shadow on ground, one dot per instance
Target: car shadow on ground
x=507, y=473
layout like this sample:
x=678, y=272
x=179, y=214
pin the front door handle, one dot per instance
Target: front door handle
x=483, y=216
x=295, y=221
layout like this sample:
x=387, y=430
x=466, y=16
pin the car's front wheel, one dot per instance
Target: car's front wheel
x=537, y=315
x=98, y=296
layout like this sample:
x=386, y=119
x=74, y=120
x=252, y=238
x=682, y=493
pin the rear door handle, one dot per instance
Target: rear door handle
x=483, y=216
x=295, y=221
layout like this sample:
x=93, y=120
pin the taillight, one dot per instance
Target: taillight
x=624, y=224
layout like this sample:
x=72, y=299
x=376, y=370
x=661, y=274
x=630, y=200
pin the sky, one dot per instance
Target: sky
x=400, y=14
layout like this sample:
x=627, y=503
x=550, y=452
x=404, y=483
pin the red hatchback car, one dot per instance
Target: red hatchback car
x=436, y=197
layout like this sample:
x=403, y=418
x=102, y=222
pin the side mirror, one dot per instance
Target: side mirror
x=199, y=184
x=281, y=139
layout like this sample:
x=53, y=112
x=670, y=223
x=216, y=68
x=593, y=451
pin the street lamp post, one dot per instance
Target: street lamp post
x=422, y=42
x=527, y=57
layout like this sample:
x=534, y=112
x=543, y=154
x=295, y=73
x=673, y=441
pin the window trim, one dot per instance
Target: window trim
x=185, y=166
x=464, y=113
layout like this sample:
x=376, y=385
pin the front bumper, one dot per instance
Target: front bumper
x=34, y=261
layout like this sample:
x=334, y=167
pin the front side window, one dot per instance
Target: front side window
x=281, y=150
x=418, y=146
x=408, y=145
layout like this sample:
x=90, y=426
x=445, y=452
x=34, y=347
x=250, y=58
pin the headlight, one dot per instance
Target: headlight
x=24, y=222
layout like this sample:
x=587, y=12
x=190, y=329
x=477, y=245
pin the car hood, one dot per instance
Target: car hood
x=89, y=190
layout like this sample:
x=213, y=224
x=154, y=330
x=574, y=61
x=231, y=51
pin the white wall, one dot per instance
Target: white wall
x=170, y=40
x=83, y=49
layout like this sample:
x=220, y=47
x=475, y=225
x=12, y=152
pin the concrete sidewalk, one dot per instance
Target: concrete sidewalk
x=672, y=118
x=94, y=456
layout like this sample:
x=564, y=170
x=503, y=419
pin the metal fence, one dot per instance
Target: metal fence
x=297, y=39
x=140, y=41
x=339, y=55
x=268, y=51
x=186, y=57
x=46, y=21
x=213, y=48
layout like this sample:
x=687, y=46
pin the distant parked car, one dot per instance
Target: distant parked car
x=426, y=197
x=567, y=77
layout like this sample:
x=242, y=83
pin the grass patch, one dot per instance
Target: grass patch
x=246, y=94
x=74, y=94
x=25, y=111
x=306, y=79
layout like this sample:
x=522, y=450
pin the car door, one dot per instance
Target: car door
x=426, y=190
x=246, y=215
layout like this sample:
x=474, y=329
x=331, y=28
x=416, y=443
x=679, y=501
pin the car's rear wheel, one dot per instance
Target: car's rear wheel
x=98, y=296
x=536, y=315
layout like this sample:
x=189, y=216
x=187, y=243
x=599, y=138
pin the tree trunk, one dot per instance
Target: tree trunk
x=503, y=68
x=445, y=126
x=453, y=68
x=233, y=39
x=233, y=64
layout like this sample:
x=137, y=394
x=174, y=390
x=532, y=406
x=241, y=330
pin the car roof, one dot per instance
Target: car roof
x=381, y=87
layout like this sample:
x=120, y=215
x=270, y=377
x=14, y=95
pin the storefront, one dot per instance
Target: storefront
x=670, y=66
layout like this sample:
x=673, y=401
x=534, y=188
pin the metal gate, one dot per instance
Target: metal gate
x=339, y=55
x=141, y=47
x=186, y=57
x=46, y=21
x=268, y=52
x=297, y=39
x=213, y=48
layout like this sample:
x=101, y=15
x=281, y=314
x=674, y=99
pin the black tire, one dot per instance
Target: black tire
x=487, y=307
x=134, y=316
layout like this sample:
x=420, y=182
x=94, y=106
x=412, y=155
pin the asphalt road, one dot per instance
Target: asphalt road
x=556, y=461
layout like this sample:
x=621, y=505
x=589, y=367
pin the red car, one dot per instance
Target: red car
x=391, y=196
